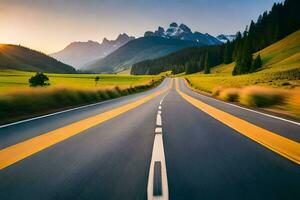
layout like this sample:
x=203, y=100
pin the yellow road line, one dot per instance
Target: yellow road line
x=281, y=145
x=22, y=150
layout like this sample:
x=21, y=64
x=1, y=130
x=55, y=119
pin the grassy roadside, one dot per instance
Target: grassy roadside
x=274, y=100
x=18, y=103
x=275, y=86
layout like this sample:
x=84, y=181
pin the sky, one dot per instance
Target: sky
x=50, y=25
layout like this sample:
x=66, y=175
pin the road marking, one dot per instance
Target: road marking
x=159, y=112
x=248, y=109
x=158, y=155
x=157, y=185
x=161, y=102
x=159, y=107
x=158, y=120
x=158, y=130
x=281, y=145
x=22, y=150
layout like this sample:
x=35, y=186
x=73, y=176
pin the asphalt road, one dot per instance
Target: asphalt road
x=203, y=157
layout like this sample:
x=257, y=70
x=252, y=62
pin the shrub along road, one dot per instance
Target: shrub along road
x=105, y=151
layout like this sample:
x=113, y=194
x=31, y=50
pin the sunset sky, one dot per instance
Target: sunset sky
x=50, y=25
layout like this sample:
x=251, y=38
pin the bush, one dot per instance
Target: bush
x=230, y=94
x=262, y=97
x=216, y=91
x=39, y=79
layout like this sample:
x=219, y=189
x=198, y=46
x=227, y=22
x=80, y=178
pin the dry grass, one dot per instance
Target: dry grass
x=280, y=100
x=216, y=90
x=293, y=102
x=230, y=94
x=262, y=97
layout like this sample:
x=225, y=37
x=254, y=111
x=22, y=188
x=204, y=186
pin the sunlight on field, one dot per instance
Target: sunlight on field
x=11, y=80
x=282, y=51
x=277, y=77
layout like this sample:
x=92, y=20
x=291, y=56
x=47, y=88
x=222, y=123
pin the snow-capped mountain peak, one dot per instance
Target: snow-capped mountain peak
x=225, y=38
x=183, y=32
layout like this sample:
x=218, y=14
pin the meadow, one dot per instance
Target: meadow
x=12, y=81
x=19, y=101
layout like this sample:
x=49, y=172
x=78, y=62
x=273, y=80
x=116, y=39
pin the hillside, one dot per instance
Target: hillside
x=137, y=50
x=180, y=61
x=282, y=53
x=25, y=59
x=281, y=68
x=78, y=54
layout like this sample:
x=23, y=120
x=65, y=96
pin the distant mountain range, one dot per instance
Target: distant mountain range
x=25, y=59
x=152, y=45
x=78, y=54
x=143, y=48
x=183, y=32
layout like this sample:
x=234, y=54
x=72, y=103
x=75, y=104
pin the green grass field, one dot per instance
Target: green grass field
x=19, y=101
x=281, y=69
x=12, y=80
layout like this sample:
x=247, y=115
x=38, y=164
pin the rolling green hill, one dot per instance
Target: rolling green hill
x=137, y=50
x=25, y=59
x=281, y=68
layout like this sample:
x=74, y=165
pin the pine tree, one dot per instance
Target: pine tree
x=227, y=53
x=257, y=63
x=206, y=65
x=237, y=46
x=244, y=59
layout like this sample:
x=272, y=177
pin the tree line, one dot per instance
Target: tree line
x=189, y=60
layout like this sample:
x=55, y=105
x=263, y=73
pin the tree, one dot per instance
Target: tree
x=228, y=52
x=237, y=46
x=257, y=63
x=187, y=68
x=206, y=65
x=97, y=78
x=244, y=59
x=39, y=79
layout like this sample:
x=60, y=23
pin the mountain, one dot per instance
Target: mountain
x=79, y=53
x=225, y=38
x=137, y=50
x=25, y=59
x=183, y=32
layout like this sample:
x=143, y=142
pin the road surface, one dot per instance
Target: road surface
x=166, y=143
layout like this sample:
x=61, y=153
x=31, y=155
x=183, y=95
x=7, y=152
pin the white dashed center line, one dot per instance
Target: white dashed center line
x=158, y=130
x=158, y=120
x=157, y=188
